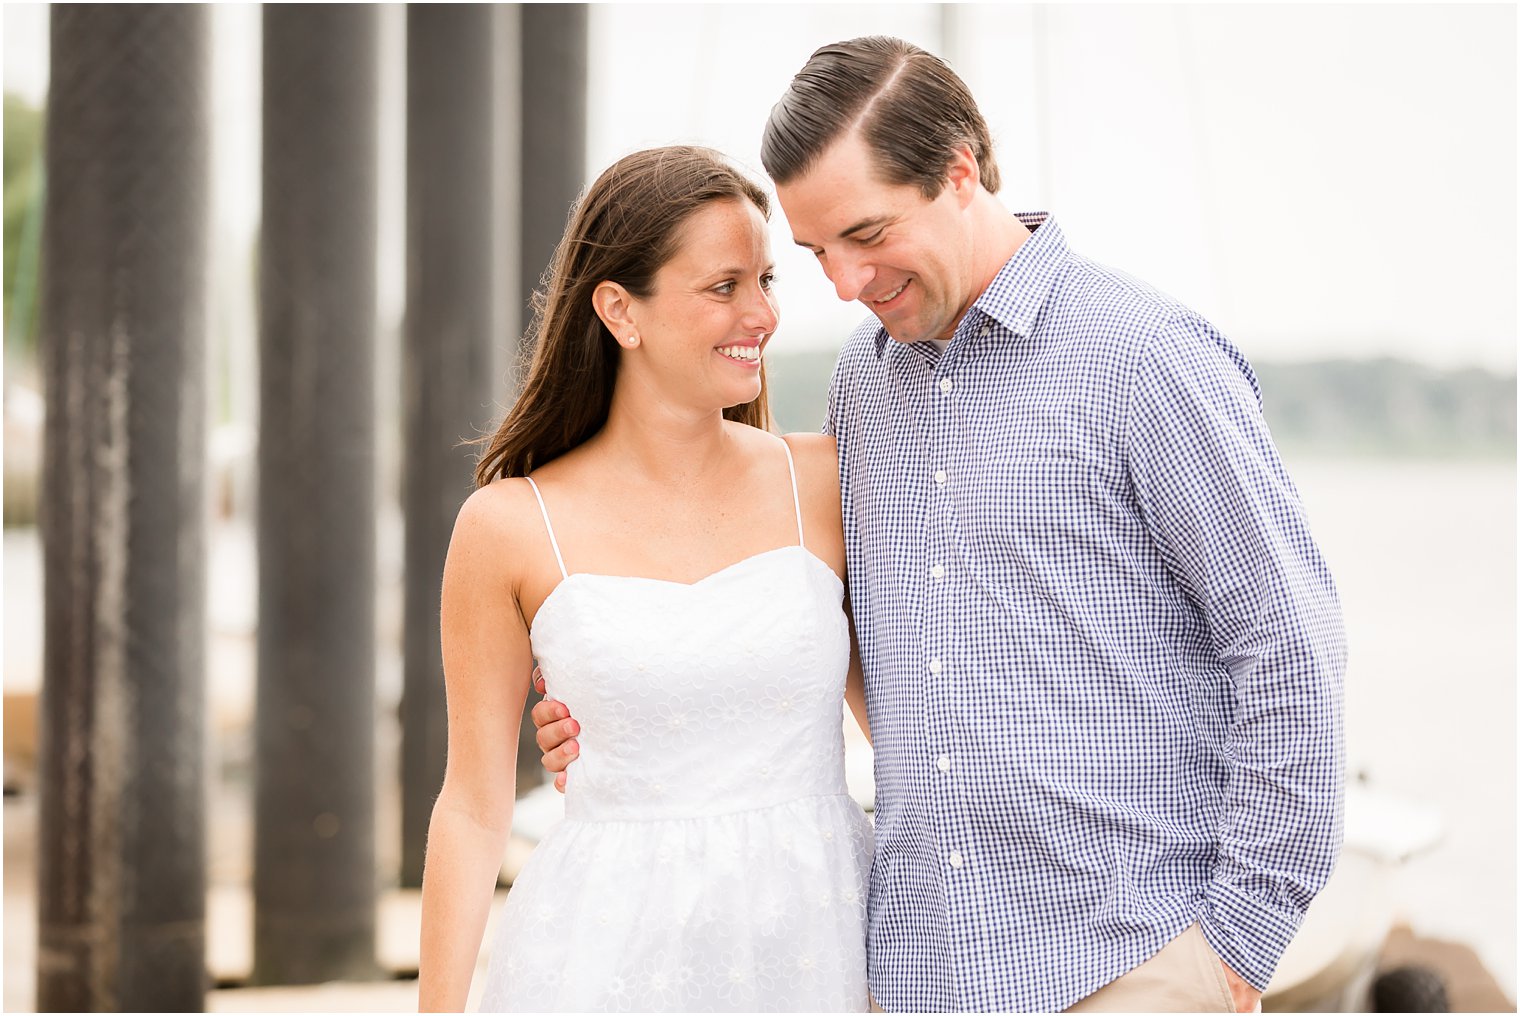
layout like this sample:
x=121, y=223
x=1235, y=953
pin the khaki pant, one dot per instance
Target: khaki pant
x=1185, y=976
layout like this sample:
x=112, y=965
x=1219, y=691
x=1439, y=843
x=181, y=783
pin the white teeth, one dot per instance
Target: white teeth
x=746, y=353
x=893, y=295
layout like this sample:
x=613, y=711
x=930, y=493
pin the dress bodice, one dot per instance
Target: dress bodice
x=697, y=699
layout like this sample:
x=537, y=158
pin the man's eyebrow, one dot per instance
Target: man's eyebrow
x=845, y=234
x=864, y=224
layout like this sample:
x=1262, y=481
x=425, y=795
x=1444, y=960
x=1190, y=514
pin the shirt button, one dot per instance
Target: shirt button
x=943, y=763
x=935, y=666
x=956, y=860
x=938, y=571
x=939, y=476
x=945, y=385
x=986, y=330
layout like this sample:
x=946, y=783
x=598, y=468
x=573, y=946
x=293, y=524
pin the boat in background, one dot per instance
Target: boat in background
x=1332, y=962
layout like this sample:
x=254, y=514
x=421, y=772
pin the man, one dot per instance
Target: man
x=1103, y=656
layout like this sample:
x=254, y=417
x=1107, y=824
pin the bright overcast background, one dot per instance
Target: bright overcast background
x=1322, y=181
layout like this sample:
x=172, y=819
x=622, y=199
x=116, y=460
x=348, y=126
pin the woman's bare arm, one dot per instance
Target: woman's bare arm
x=486, y=663
x=817, y=460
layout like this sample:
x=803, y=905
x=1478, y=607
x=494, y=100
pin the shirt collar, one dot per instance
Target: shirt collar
x=1021, y=286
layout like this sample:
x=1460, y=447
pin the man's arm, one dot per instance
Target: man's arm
x=1228, y=522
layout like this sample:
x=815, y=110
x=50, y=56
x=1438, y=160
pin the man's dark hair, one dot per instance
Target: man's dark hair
x=911, y=109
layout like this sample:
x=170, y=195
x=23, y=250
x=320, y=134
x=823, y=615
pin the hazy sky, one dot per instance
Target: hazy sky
x=1319, y=180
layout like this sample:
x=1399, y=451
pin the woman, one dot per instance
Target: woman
x=675, y=569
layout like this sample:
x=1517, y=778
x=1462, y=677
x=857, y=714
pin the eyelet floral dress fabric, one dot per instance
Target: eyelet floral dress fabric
x=710, y=858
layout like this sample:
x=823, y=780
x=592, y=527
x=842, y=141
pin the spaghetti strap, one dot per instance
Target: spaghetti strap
x=548, y=526
x=796, y=501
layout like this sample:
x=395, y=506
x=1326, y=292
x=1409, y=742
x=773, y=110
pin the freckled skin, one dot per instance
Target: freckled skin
x=715, y=291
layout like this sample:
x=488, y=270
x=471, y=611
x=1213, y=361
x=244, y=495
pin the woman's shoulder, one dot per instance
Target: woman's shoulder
x=816, y=455
x=500, y=517
x=807, y=442
x=818, y=486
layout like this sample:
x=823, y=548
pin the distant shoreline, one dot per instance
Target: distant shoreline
x=1386, y=409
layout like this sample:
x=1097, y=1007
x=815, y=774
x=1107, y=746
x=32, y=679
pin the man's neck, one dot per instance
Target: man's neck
x=999, y=235
x=996, y=236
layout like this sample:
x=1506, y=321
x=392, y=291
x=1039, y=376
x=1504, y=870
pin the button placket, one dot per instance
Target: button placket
x=935, y=595
x=938, y=631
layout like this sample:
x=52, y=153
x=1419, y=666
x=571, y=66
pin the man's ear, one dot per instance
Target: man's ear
x=614, y=305
x=963, y=175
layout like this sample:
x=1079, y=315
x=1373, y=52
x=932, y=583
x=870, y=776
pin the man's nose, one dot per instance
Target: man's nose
x=850, y=277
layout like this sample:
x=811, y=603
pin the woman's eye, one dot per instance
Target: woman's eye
x=873, y=238
x=724, y=288
x=767, y=280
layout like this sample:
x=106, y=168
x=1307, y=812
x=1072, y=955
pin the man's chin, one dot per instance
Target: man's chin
x=908, y=332
x=906, y=336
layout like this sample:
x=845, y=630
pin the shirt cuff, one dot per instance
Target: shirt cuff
x=1247, y=934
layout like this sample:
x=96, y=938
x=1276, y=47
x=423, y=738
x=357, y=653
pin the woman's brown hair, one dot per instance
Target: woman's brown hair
x=622, y=230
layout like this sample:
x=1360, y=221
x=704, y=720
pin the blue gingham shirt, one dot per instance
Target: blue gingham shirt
x=1103, y=655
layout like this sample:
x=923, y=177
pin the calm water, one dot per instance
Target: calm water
x=1424, y=557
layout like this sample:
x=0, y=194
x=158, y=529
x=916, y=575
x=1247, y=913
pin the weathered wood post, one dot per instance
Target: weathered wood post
x=314, y=811
x=449, y=376
x=122, y=852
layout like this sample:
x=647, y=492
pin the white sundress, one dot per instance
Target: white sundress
x=710, y=858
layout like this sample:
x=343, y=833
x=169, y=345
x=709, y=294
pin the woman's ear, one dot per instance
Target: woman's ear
x=614, y=305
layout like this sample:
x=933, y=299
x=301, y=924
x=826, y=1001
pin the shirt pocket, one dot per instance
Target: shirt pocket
x=1041, y=527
